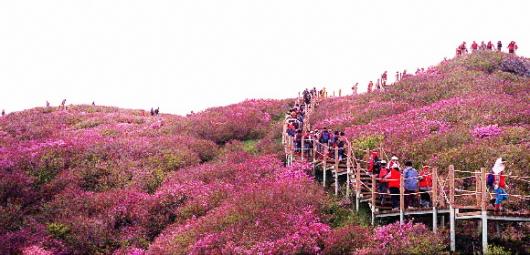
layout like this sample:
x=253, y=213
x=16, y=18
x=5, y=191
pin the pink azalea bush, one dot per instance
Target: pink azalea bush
x=103, y=180
x=276, y=212
x=486, y=131
x=408, y=238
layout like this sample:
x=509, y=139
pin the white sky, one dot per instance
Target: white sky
x=189, y=55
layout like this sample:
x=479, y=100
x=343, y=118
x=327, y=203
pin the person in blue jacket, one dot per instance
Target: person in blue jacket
x=411, y=184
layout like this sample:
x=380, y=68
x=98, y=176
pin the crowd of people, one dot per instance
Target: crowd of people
x=388, y=175
x=318, y=138
x=462, y=48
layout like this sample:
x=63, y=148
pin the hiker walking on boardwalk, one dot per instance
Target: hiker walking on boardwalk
x=372, y=161
x=393, y=162
x=474, y=46
x=425, y=186
x=370, y=86
x=499, y=46
x=382, y=186
x=512, y=47
x=411, y=184
x=496, y=181
x=393, y=179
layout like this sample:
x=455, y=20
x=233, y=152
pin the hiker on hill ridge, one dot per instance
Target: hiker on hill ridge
x=482, y=46
x=3, y=112
x=512, y=47
x=489, y=46
x=499, y=46
x=474, y=46
x=354, y=88
x=63, y=103
x=370, y=86
x=384, y=78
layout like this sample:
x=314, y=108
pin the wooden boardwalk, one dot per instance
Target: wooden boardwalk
x=361, y=186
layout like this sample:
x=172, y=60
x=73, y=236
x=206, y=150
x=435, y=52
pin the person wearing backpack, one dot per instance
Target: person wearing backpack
x=411, y=184
x=425, y=185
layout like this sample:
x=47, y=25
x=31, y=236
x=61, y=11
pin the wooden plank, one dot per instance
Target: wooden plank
x=451, y=185
x=336, y=170
x=434, y=199
x=357, y=186
x=324, y=160
x=483, y=205
x=348, y=170
x=401, y=200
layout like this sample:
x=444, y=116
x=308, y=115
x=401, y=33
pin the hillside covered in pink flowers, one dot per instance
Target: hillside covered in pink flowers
x=104, y=180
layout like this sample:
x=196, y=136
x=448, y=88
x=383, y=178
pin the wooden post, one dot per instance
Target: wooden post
x=314, y=157
x=401, y=200
x=336, y=167
x=434, y=199
x=451, y=207
x=324, y=163
x=484, y=213
x=478, y=189
x=302, y=145
x=373, y=199
x=357, y=186
x=348, y=171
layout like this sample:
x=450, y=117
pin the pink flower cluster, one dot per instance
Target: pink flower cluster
x=486, y=131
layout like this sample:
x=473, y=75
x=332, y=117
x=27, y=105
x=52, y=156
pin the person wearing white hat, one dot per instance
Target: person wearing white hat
x=496, y=180
x=393, y=161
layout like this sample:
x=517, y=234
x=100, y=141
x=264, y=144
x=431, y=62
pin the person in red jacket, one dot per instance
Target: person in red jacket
x=384, y=78
x=425, y=186
x=393, y=178
x=463, y=48
x=512, y=47
x=489, y=46
x=370, y=86
x=382, y=185
x=393, y=162
x=374, y=157
x=474, y=46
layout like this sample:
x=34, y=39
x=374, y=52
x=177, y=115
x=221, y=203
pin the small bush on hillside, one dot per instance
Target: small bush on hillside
x=516, y=65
